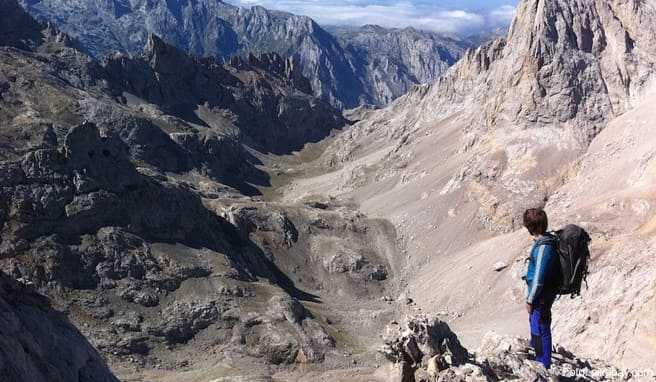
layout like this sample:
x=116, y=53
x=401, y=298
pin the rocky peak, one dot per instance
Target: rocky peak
x=250, y=93
x=570, y=62
x=163, y=57
x=583, y=50
x=288, y=68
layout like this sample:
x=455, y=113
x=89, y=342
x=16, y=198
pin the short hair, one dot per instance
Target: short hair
x=535, y=221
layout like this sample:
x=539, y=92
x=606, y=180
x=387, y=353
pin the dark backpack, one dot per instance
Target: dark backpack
x=572, y=247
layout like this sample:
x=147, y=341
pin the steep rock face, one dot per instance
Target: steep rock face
x=565, y=62
x=346, y=76
x=393, y=60
x=453, y=165
x=40, y=344
x=257, y=98
x=619, y=167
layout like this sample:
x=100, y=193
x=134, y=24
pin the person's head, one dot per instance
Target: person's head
x=535, y=221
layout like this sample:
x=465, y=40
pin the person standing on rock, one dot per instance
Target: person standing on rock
x=541, y=278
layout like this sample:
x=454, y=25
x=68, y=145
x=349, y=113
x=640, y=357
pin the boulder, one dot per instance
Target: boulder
x=420, y=340
x=181, y=321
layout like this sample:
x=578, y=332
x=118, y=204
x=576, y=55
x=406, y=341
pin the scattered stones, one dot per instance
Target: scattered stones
x=499, y=266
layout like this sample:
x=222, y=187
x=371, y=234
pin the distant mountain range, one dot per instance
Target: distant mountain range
x=347, y=67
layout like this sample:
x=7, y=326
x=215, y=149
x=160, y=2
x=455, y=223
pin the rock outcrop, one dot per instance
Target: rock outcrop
x=419, y=344
x=345, y=71
x=426, y=350
x=39, y=344
x=263, y=99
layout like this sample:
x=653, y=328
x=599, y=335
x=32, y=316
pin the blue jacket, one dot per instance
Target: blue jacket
x=540, y=275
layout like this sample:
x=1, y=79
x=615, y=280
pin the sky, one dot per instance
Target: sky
x=458, y=17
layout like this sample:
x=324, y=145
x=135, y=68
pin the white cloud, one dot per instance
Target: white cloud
x=398, y=14
x=502, y=15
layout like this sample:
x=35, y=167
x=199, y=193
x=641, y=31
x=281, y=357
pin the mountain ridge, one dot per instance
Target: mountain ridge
x=344, y=78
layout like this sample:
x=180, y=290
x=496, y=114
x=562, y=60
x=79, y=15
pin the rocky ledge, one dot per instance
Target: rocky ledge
x=423, y=349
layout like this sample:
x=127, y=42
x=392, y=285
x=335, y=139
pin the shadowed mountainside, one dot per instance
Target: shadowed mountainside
x=124, y=200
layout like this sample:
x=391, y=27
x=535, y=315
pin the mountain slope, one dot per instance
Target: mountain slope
x=396, y=59
x=454, y=164
x=39, y=344
x=343, y=76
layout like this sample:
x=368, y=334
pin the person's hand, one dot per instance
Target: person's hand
x=529, y=308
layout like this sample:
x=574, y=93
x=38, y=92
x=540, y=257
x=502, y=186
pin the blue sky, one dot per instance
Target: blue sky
x=445, y=16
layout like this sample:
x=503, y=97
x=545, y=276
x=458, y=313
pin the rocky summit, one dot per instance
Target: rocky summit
x=348, y=68
x=169, y=214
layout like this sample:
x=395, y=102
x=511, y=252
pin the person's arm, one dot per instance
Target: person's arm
x=542, y=261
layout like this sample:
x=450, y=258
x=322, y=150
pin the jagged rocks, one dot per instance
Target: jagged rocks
x=110, y=259
x=181, y=321
x=250, y=97
x=370, y=65
x=426, y=350
x=420, y=342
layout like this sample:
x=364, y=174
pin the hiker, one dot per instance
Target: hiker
x=541, y=278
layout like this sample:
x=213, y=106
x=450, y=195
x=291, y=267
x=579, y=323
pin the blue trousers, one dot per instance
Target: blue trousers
x=540, y=323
